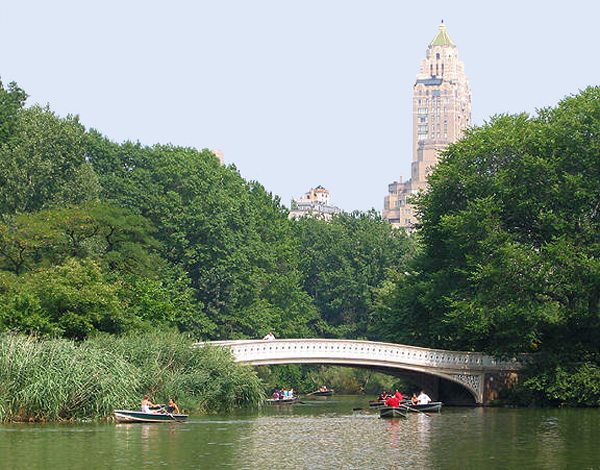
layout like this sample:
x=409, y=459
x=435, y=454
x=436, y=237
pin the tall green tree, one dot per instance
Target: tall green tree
x=12, y=100
x=510, y=232
x=230, y=236
x=44, y=163
x=345, y=261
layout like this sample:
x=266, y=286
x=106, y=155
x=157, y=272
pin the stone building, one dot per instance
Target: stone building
x=441, y=111
x=314, y=203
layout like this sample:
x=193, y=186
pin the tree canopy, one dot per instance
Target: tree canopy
x=509, y=227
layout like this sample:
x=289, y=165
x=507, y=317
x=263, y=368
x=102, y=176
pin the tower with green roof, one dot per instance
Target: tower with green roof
x=441, y=112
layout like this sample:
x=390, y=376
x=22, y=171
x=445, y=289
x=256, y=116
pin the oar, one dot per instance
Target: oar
x=414, y=409
x=171, y=416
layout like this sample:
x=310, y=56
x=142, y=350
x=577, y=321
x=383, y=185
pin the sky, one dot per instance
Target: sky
x=295, y=93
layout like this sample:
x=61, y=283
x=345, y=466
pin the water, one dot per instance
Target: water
x=320, y=434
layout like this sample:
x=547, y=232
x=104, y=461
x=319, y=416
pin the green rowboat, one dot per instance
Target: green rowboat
x=131, y=416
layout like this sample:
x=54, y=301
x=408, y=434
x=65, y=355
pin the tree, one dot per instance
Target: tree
x=509, y=229
x=344, y=262
x=44, y=163
x=12, y=100
x=230, y=236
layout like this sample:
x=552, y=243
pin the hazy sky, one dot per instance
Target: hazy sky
x=295, y=93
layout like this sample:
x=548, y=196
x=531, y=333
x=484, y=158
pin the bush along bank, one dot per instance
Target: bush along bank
x=61, y=380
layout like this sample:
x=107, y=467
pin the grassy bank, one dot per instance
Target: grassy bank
x=57, y=379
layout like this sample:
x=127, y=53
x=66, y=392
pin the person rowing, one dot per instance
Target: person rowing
x=172, y=407
x=148, y=406
x=393, y=402
x=423, y=398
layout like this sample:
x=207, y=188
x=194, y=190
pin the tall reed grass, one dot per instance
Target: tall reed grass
x=57, y=379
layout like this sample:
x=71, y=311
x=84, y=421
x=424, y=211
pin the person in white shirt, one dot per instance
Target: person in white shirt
x=270, y=336
x=423, y=398
x=147, y=405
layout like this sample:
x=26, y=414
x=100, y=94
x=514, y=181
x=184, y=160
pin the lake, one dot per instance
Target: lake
x=318, y=433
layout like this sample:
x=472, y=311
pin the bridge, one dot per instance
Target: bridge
x=450, y=376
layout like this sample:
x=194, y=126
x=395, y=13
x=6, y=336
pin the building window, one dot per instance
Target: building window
x=422, y=111
x=423, y=119
x=422, y=136
x=423, y=128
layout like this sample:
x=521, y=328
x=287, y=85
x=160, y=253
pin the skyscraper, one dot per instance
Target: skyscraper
x=441, y=111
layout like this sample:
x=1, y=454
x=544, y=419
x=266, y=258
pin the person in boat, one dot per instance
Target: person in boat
x=398, y=395
x=393, y=401
x=323, y=388
x=383, y=396
x=148, y=406
x=172, y=407
x=423, y=398
x=414, y=399
x=275, y=395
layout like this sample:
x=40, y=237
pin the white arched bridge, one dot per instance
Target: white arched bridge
x=446, y=375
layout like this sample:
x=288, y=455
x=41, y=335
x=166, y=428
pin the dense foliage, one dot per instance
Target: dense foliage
x=345, y=262
x=511, y=247
x=100, y=236
x=97, y=236
x=307, y=378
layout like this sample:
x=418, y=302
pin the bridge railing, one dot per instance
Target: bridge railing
x=256, y=351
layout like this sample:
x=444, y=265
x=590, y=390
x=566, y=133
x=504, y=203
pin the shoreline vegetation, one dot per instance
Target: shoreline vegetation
x=43, y=380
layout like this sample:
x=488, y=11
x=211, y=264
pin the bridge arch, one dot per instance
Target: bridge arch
x=474, y=372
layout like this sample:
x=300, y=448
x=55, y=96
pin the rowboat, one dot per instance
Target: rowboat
x=324, y=393
x=134, y=416
x=392, y=412
x=282, y=401
x=376, y=402
x=434, y=406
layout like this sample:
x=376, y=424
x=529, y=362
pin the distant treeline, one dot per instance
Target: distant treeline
x=98, y=236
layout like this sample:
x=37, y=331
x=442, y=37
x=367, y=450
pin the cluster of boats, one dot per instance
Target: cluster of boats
x=161, y=415
x=282, y=400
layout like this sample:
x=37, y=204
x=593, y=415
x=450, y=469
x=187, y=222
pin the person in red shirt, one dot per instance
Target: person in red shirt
x=393, y=401
x=398, y=395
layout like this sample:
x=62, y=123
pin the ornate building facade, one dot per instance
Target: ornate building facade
x=441, y=111
x=315, y=203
